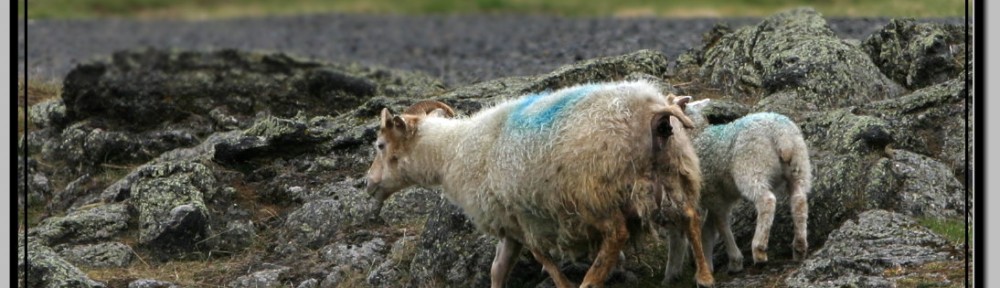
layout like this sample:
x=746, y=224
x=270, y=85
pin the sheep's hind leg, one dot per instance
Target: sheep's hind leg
x=557, y=276
x=503, y=261
x=703, y=274
x=764, y=200
x=615, y=234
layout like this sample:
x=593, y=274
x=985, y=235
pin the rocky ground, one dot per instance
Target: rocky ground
x=236, y=168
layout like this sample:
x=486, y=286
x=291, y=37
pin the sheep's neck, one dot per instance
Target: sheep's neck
x=433, y=151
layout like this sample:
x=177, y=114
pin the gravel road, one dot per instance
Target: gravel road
x=458, y=49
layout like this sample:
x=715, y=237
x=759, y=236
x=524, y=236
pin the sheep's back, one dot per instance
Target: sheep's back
x=571, y=160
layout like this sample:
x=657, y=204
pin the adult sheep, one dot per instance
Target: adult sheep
x=560, y=173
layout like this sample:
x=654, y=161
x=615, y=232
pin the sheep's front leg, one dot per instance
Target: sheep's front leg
x=800, y=216
x=557, y=277
x=503, y=261
x=703, y=274
x=615, y=234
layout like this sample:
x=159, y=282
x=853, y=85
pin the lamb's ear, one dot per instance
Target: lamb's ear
x=682, y=101
x=386, y=118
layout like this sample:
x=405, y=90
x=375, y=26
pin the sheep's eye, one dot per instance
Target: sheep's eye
x=380, y=146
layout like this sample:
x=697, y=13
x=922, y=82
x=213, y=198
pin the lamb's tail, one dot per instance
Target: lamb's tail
x=794, y=158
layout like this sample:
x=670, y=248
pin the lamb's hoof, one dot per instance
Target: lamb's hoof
x=759, y=256
x=735, y=265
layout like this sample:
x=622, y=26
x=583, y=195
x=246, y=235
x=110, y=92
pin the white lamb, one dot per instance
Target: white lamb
x=576, y=170
x=752, y=157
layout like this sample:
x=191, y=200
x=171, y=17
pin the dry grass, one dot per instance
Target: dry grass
x=933, y=274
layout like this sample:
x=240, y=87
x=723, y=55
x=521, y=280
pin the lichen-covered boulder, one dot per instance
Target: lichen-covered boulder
x=151, y=283
x=927, y=187
x=270, y=277
x=317, y=222
x=102, y=255
x=861, y=251
x=791, y=50
x=170, y=201
x=916, y=54
x=930, y=122
x=83, y=225
x=46, y=269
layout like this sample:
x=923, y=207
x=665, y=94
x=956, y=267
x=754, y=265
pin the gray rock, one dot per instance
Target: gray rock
x=315, y=223
x=362, y=256
x=107, y=254
x=47, y=114
x=170, y=203
x=791, y=50
x=409, y=206
x=151, y=283
x=918, y=55
x=309, y=283
x=46, y=269
x=261, y=279
x=928, y=121
x=79, y=191
x=451, y=252
x=927, y=188
x=89, y=143
x=859, y=252
x=236, y=236
x=336, y=277
x=101, y=222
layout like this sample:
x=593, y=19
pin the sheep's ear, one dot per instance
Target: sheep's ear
x=386, y=118
x=677, y=112
x=399, y=123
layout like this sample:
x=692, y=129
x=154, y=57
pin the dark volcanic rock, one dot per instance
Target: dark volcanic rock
x=916, y=54
x=792, y=50
x=859, y=252
x=46, y=269
x=176, y=86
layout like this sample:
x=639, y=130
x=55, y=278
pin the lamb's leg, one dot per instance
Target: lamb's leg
x=677, y=249
x=703, y=274
x=709, y=234
x=557, y=277
x=723, y=224
x=615, y=234
x=765, y=216
x=503, y=261
x=800, y=216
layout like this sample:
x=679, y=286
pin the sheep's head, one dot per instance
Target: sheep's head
x=396, y=136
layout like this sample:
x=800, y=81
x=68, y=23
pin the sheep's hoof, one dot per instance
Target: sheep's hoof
x=706, y=281
x=800, y=250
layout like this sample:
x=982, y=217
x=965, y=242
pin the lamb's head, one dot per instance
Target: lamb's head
x=691, y=108
x=396, y=137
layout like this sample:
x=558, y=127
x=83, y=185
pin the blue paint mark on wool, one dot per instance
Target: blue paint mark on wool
x=529, y=115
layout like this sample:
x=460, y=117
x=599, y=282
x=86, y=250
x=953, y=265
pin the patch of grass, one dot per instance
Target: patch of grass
x=201, y=9
x=951, y=229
